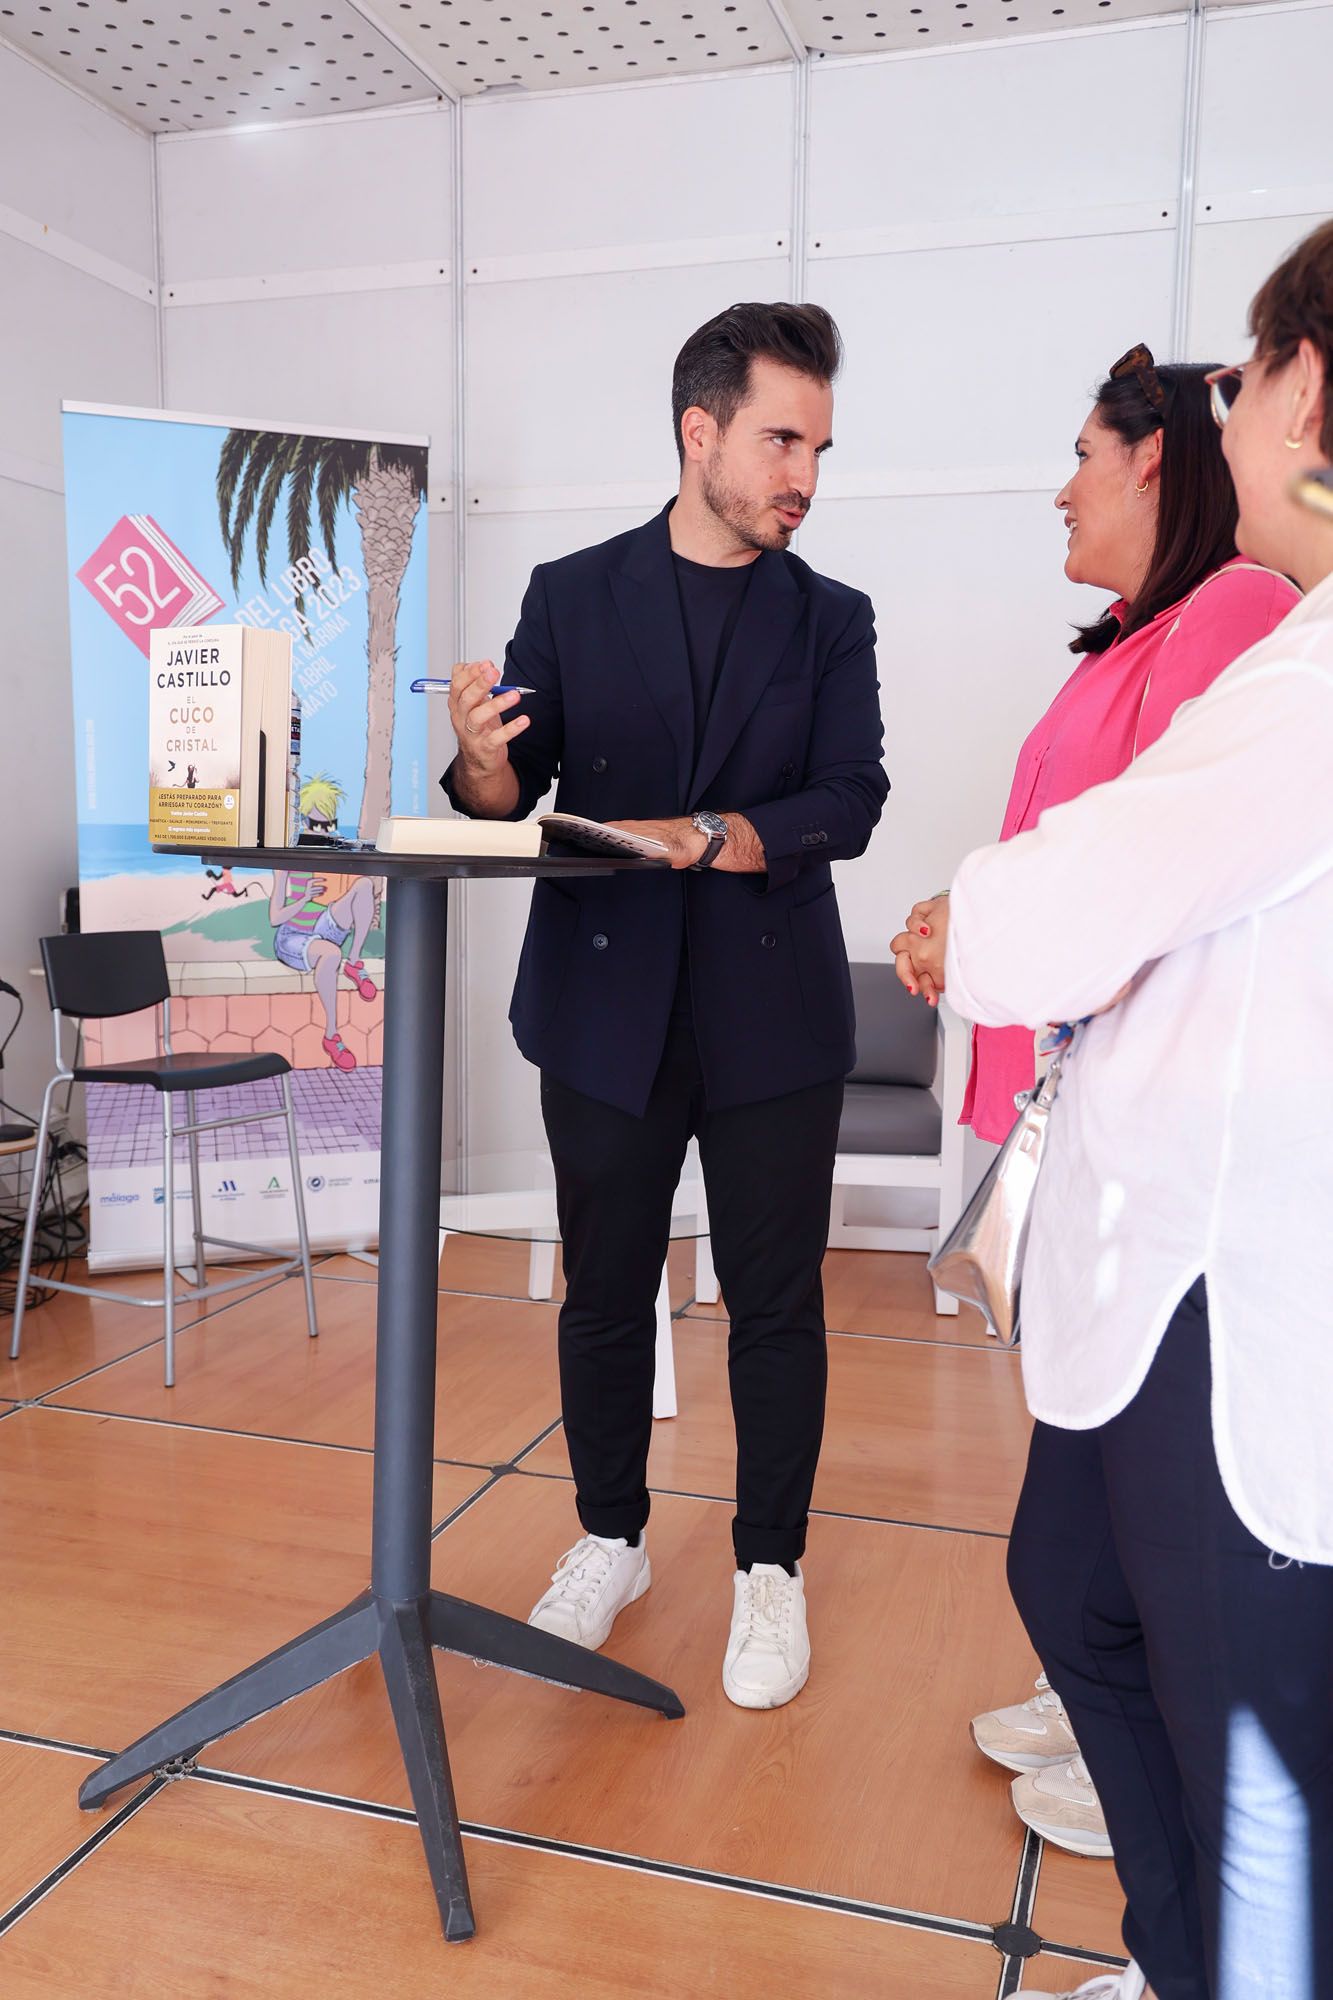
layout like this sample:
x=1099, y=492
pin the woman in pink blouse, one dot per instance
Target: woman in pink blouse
x=1151, y=514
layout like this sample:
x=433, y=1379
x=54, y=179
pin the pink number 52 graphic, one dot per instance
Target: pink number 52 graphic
x=139, y=576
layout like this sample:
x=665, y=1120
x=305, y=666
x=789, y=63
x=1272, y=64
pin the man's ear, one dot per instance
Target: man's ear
x=698, y=433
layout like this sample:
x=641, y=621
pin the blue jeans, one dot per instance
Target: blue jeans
x=1196, y=1667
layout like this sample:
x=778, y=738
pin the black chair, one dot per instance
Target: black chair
x=102, y=974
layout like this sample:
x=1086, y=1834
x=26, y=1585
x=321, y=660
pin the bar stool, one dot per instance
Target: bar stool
x=103, y=974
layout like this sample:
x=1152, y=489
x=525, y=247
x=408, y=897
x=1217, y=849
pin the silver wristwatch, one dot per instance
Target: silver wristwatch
x=715, y=827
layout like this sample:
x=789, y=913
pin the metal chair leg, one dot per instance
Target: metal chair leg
x=302, y=1232
x=34, y=1210
x=195, y=1195
x=169, y=1236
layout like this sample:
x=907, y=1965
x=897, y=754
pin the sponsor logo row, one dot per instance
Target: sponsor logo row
x=274, y=1189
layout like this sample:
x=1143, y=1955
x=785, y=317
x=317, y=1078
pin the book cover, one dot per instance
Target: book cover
x=195, y=736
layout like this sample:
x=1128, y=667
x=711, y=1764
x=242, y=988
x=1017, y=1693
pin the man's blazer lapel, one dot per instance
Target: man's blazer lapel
x=644, y=588
x=772, y=614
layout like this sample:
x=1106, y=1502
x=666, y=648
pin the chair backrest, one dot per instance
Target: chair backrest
x=105, y=972
x=897, y=1037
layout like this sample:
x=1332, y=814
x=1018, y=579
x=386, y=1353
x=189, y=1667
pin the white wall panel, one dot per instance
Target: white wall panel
x=569, y=379
x=356, y=360
x=70, y=166
x=1231, y=261
x=313, y=197
x=1264, y=117
x=974, y=615
x=999, y=131
x=74, y=338
x=983, y=357
x=629, y=166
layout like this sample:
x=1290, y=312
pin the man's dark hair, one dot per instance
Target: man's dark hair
x=712, y=370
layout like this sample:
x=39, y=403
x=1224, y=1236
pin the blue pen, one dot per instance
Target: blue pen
x=443, y=687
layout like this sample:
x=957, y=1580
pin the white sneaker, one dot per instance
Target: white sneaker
x=1030, y=1737
x=590, y=1586
x=768, y=1653
x=1061, y=1804
x=1127, y=1985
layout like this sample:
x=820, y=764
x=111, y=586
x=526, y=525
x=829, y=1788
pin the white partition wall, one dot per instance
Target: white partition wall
x=991, y=224
x=78, y=319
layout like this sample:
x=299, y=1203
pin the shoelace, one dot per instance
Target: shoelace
x=1045, y=1701
x=581, y=1571
x=769, y=1603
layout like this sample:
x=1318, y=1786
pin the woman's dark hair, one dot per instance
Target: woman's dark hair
x=712, y=370
x=1296, y=304
x=1196, y=506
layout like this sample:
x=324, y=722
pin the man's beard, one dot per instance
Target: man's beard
x=740, y=515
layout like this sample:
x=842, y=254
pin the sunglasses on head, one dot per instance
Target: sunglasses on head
x=1140, y=364
x=1224, y=385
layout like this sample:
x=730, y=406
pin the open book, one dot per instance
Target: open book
x=521, y=840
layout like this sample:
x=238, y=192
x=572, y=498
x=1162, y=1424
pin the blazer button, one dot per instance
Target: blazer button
x=768, y=941
x=789, y=770
x=600, y=942
x=599, y=765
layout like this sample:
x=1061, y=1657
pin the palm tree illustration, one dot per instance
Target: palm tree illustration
x=385, y=486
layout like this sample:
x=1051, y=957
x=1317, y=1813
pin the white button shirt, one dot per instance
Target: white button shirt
x=1193, y=1131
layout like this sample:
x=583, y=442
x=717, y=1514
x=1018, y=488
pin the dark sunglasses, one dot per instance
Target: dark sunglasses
x=1140, y=364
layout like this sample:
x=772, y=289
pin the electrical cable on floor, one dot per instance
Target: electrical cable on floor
x=62, y=1232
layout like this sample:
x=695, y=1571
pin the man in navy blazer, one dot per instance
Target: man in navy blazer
x=696, y=681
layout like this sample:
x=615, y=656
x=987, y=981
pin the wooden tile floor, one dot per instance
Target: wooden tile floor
x=156, y=1540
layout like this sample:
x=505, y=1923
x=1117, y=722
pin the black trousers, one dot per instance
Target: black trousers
x=1196, y=1666
x=768, y=1172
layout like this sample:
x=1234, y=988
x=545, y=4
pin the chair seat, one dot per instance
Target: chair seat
x=889, y=1118
x=186, y=1072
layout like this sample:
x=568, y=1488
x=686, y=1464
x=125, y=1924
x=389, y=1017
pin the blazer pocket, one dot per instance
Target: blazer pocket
x=821, y=968
x=547, y=950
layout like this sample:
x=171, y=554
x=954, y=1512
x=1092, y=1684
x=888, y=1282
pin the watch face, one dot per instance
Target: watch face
x=710, y=822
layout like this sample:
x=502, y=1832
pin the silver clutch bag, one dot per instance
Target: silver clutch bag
x=981, y=1259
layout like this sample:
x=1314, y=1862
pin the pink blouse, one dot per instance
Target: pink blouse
x=1112, y=706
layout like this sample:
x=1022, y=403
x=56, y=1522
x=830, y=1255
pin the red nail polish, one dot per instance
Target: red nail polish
x=925, y=930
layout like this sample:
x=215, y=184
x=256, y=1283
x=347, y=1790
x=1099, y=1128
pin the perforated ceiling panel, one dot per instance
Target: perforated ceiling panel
x=551, y=44
x=867, y=27
x=170, y=67
x=179, y=68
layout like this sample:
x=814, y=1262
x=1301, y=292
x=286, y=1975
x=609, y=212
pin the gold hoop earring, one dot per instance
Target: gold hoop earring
x=1294, y=444
x=1141, y=490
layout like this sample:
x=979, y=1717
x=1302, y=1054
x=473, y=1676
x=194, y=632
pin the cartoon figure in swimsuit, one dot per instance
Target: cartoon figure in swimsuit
x=309, y=933
x=225, y=884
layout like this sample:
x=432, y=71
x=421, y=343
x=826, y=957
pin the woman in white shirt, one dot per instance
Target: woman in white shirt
x=1172, y=1554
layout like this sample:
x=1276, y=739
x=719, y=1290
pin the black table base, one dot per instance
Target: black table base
x=400, y=1617
x=403, y=1636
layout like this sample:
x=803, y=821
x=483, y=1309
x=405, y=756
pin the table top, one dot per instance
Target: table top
x=417, y=867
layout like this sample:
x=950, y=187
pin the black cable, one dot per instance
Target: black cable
x=61, y=1234
x=5, y=1104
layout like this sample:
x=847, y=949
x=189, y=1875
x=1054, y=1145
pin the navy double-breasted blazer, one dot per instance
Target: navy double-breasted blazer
x=793, y=740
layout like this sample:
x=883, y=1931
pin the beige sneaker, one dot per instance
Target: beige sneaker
x=1027, y=1738
x=1061, y=1804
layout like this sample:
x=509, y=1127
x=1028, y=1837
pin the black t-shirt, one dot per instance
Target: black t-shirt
x=710, y=606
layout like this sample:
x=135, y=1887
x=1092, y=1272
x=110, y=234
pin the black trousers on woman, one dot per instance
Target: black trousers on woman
x=768, y=1172
x=1196, y=1666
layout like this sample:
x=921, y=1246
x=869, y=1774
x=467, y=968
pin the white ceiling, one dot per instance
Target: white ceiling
x=188, y=68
